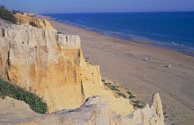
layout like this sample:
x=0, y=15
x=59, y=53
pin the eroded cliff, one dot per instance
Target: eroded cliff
x=52, y=66
x=94, y=111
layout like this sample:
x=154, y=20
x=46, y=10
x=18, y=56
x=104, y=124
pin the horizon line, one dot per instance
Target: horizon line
x=113, y=12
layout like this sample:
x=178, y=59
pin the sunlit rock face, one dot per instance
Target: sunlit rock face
x=52, y=66
x=36, y=22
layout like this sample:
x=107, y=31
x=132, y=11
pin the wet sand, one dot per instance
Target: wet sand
x=142, y=69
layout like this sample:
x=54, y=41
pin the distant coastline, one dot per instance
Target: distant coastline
x=153, y=39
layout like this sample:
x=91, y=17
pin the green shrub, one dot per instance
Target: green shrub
x=59, y=32
x=137, y=102
x=33, y=24
x=129, y=93
x=103, y=80
x=131, y=97
x=112, y=87
x=36, y=103
x=121, y=94
x=7, y=15
x=138, y=106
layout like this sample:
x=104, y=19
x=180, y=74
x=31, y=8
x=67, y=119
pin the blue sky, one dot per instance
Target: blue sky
x=74, y=6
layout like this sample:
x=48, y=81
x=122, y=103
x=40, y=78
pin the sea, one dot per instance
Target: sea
x=174, y=30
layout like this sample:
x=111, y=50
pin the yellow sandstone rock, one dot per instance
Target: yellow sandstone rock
x=26, y=19
x=52, y=66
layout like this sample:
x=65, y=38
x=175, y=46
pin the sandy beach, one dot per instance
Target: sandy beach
x=142, y=69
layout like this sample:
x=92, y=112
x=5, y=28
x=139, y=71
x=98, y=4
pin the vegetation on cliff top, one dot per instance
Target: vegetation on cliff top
x=5, y=14
x=35, y=103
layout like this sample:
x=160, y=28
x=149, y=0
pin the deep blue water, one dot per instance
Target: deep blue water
x=174, y=30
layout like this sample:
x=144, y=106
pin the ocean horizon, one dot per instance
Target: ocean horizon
x=174, y=30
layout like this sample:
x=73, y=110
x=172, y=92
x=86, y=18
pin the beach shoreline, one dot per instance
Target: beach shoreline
x=147, y=42
x=181, y=45
x=143, y=69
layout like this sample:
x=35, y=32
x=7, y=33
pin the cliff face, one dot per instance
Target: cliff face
x=95, y=112
x=52, y=66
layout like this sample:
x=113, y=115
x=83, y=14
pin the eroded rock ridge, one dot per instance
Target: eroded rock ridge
x=95, y=111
